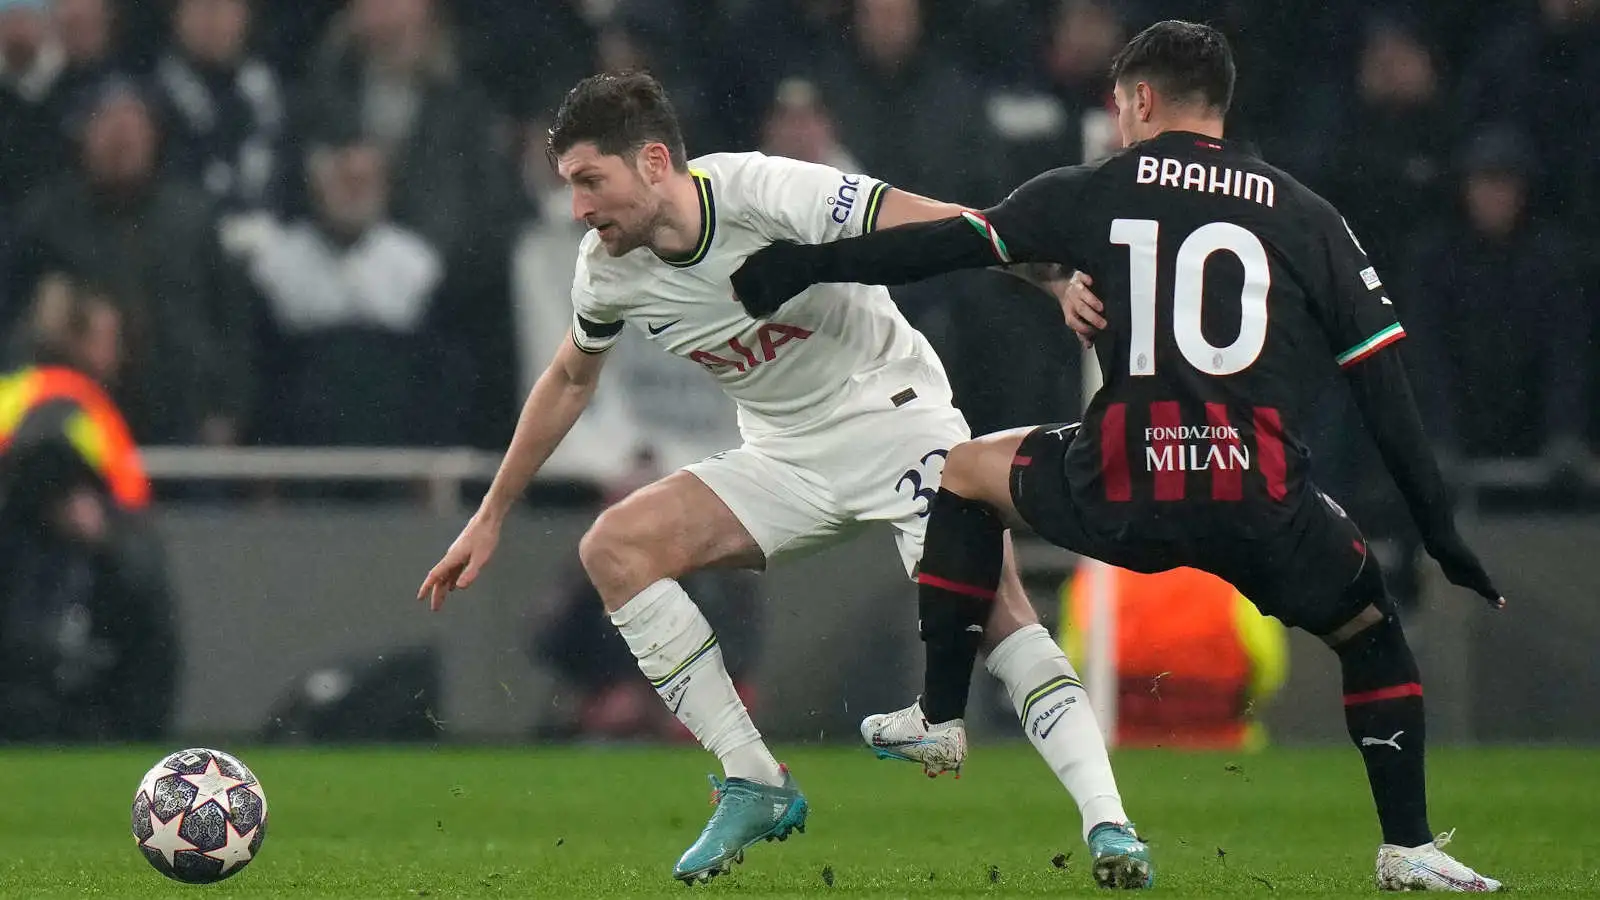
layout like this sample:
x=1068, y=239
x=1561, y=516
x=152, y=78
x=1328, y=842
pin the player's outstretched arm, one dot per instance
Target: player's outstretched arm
x=1358, y=318
x=1383, y=394
x=905, y=208
x=1018, y=230
x=558, y=398
x=897, y=255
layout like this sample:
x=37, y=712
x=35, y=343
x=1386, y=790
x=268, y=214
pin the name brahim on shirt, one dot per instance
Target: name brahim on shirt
x=1164, y=171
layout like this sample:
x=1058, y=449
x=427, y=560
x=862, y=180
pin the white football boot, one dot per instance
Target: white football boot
x=1428, y=868
x=905, y=734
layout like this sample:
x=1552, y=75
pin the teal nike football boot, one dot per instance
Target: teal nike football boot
x=747, y=812
x=1121, y=860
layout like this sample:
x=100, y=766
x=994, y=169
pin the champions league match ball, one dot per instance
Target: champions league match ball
x=199, y=816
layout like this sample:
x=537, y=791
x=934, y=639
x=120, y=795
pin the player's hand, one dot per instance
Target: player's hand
x=462, y=562
x=770, y=276
x=1462, y=567
x=1081, y=307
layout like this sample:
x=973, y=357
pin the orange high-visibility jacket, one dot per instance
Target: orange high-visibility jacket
x=97, y=430
x=1194, y=657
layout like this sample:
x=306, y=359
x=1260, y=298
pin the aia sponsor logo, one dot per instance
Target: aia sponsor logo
x=740, y=357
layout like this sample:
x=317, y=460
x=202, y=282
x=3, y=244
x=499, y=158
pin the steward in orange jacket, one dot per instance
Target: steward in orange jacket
x=1195, y=659
x=88, y=647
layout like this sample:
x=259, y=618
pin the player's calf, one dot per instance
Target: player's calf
x=956, y=584
x=1054, y=710
x=679, y=653
x=962, y=560
x=1384, y=716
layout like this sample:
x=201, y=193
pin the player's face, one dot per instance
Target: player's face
x=611, y=196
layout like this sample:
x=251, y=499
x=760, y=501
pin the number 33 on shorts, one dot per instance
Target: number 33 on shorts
x=922, y=480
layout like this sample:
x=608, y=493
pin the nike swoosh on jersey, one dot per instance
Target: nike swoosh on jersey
x=655, y=330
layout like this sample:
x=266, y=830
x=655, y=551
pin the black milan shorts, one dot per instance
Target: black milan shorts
x=1305, y=574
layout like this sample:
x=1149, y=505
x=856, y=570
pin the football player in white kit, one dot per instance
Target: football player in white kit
x=845, y=413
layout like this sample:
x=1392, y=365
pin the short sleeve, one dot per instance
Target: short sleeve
x=808, y=203
x=1035, y=223
x=595, y=325
x=1356, y=313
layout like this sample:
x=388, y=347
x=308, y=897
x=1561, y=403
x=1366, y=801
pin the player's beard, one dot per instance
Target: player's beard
x=651, y=218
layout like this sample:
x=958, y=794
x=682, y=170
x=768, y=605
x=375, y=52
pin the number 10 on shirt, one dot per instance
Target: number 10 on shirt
x=1140, y=236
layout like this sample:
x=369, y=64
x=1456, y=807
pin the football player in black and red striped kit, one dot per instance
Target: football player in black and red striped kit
x=1229, y=289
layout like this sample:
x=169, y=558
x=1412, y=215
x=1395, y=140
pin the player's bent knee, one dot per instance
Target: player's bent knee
x=1354, y=626
x=981, y=470
x=962, y=471
x=1366, y=602
x=618, y=561
x=598, y=552
x=955, y=477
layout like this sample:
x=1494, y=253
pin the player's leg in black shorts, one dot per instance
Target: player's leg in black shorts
x=1318, y=575
x=1043, y=498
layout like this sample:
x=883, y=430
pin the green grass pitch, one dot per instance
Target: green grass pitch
x=578, y=822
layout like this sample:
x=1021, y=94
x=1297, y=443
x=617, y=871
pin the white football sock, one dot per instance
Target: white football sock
x=678, y=652
x=1055, y=713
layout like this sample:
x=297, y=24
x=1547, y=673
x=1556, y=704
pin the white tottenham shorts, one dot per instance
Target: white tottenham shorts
x=799, y=494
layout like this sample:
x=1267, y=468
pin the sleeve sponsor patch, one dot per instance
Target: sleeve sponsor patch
x=1369, y=277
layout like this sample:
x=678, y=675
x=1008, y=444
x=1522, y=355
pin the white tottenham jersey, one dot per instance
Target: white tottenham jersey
x=807, y=363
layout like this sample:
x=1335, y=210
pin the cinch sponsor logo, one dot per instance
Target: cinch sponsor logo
x=843, y=200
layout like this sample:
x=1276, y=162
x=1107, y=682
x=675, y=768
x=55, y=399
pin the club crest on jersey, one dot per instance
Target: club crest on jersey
x=843, y=200
x=740, y=357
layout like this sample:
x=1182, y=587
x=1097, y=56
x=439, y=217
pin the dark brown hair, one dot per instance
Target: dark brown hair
x=619, y=114
x=1184, y=60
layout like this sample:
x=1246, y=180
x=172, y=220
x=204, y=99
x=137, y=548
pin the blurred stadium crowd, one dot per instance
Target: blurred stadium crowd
x=331, y=221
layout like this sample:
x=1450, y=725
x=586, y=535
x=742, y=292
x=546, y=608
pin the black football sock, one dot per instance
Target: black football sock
x=1383, y=710
x=957, y=580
